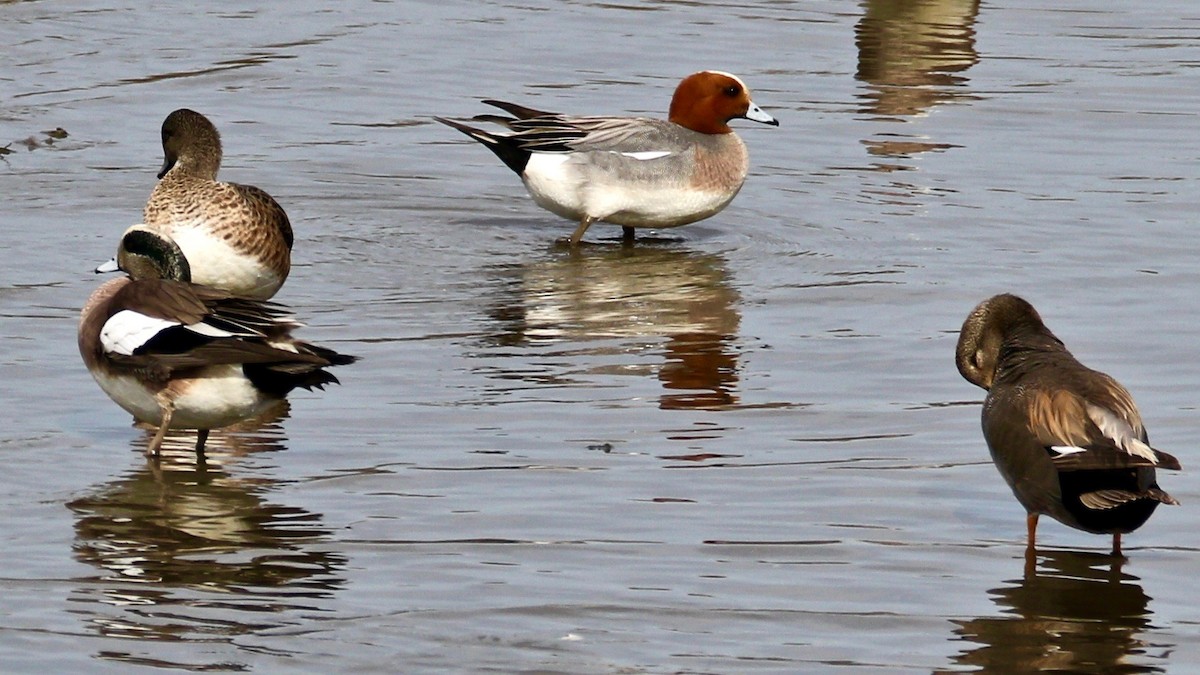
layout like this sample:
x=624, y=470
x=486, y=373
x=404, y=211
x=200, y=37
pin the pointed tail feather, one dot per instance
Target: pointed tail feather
x=518, y=111
x=507, y=149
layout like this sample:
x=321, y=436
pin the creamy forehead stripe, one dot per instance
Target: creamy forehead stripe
x=127, y=330
x=730, y=76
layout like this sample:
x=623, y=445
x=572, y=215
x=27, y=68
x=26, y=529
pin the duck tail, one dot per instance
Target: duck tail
x=307, y=371
x=508, y=149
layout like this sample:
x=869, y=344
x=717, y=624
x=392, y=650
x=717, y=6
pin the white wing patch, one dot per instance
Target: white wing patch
x=128, y=330
x=1064, y=450
x=647, y=154
x=1120, y=432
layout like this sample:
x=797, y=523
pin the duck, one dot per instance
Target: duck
x=235, y=237
x=1067, y=439
x=636, y=172
x=179, y=355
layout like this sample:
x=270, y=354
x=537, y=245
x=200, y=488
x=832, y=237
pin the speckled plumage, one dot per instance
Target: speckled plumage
x=235, y=236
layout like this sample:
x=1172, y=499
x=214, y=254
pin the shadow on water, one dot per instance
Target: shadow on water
x=617, y=302
x=190, y=552
x=1078, y=613
x=912, y=56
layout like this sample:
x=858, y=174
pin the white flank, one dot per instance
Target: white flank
x=128, y=330
x=554, y=183
x=549, y=163
x=1120, y=432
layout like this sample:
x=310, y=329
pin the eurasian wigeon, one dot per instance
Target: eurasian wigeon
x=1068, y=439
x=184, y=356
x=236, y=237
x=631, y=171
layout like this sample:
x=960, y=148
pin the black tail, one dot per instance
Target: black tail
x=507, y=149
x=518, y=111
x=307, y=371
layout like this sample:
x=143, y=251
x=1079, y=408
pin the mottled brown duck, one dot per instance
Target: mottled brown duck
x=236, y=237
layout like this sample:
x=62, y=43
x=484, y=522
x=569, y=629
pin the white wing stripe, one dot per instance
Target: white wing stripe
x=210, y=330
x=647, y=154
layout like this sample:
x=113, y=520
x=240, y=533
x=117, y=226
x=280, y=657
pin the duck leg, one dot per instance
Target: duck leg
x=627, y=234
x=201, y=439
x=168, y=409
x=583, y=226
x=1116, y=551
x=1031, y=521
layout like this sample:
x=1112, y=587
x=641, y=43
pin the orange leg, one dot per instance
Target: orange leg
x=1031, y=529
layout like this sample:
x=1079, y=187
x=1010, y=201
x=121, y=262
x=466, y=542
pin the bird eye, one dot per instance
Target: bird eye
x=732, y=90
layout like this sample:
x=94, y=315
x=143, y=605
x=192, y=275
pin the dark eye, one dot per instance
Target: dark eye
x=733, y=90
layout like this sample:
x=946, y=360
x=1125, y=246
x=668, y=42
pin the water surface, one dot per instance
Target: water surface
x=738, y=446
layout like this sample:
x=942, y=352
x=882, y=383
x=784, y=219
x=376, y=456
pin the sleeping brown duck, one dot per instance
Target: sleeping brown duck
x=1068, y=439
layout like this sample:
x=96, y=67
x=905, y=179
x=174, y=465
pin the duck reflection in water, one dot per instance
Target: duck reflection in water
x=1079, y=614
x=911, y=57
x=189, y=552
x=624, y=302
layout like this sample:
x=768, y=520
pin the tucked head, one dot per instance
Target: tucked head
x=706, y=101
x=190, y=141
x=145, y=254
x=987, y=327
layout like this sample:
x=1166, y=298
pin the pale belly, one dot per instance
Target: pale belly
x=555, y=185
x=221, y=398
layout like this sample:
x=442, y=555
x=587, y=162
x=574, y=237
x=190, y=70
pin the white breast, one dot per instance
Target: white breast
x=215, y=263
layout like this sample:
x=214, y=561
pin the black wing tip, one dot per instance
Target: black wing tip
x=342, y=359
x=1167, y=461
x=518, y=111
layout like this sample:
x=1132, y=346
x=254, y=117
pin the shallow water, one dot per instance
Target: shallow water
x=738, y=446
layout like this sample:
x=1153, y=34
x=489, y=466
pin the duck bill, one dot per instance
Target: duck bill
x=168, y=164
x=110, y=266
x=756, y=114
